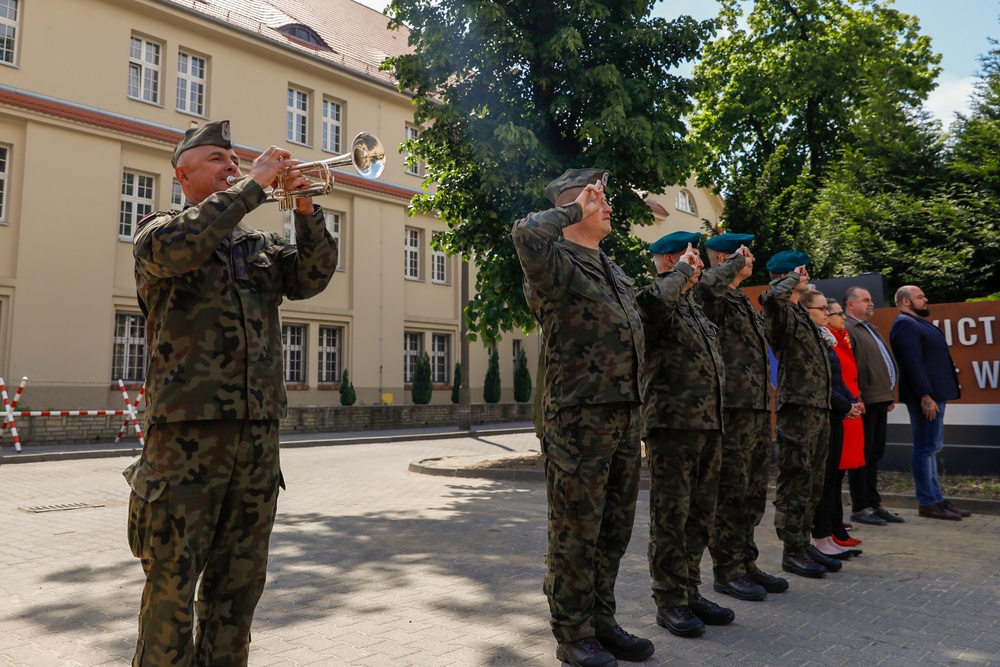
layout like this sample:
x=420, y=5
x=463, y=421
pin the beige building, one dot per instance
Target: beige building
x=93, y=96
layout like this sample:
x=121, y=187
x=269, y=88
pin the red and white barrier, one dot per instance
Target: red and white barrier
x=130, y=413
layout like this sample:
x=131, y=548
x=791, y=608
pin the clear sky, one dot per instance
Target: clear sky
x=959, y=30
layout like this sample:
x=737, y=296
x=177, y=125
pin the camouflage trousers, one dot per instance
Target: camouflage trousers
x=203, y=501
x=684, y=487
x=592, y=481
x=746, y=460
x=803, y=435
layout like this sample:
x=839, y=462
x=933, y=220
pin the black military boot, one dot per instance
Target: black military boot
x=585, y=652
x=771, y=583
x=711, y=613
x=743, y=588
x=831, y=564
x=798, y=562
x=624, y=645
x=681, y=621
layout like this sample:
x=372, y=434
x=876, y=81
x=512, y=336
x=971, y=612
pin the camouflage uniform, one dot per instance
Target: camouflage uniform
x=592, y=339
x=204, y=491
x=802, y=403
x=746, y=442
x=682, y=424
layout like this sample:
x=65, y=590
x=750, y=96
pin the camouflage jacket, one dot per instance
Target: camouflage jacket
x=210, y=288
x=803, y=367
x=741, y=336
x=683, y=360
x=591, y=331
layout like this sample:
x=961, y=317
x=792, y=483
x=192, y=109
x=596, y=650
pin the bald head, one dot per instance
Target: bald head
x=910, y=299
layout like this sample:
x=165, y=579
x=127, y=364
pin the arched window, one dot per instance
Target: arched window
x=302, y=33
x=685, y=202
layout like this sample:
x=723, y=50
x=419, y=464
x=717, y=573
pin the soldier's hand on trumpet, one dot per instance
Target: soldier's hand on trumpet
x=275, y=162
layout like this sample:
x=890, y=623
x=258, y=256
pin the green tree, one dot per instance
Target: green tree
x=347, y=394
x=512, y=93
x=782, y=97
x=422, y=388
x=491, y=386
x=522, y=379
x=456, y=385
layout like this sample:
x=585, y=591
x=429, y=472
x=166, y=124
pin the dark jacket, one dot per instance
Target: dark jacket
x=925, y=364
x=873, y=374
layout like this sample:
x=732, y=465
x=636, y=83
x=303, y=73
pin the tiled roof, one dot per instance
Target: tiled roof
x=358, y=36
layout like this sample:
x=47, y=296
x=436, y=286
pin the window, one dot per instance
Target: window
x=191, y=79
x=288, y=226
x=685, y=202
x=136, y=203
x=304, y=34
x=176, y=196
x=440, y=344
x=4, y=153
x=517, y=353
x=8, y=31
x=439, y=267
x=293, y=352
x=412, y=167
x=144, y=71
x=413, y=345
x=333, y=226
x=330, y=353
x=332, y=126
x=297, y=130
x=411, y=254
x=129, y=358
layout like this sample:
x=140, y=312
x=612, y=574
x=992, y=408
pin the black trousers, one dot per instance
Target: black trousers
x=864, y=480
x=830, y=511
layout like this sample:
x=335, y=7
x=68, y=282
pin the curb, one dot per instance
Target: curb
x=427, y=467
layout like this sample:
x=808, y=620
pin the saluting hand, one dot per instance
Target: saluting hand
x=591, y=199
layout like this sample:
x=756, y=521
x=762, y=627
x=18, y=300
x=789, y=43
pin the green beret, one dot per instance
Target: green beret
x=728, y=242
x=787, y=261
x=674, y=242
x=210, y=134
x=574, y=178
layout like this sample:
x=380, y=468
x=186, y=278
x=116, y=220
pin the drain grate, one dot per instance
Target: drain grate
x=58, y=508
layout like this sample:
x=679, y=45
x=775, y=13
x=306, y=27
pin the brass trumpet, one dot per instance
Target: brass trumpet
x=367, y=156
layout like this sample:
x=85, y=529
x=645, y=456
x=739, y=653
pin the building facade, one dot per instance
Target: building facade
x=94, y=94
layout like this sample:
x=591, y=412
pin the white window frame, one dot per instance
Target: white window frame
x=335, y=225
x=176, y=196
x=516, y=349
x=293, y=353
x=288, y=225
x=333, y=126
x=411, y=253
x=192, y=83
x=145, y=62
x=9, y=28
x=439, y=267
x=138, y=192
x=413, y=347
x=297, y=116
x=330, y=352
x=128, y=358
x=413, y=169
x=685, y=202
x=440, y=358
x=4, y=181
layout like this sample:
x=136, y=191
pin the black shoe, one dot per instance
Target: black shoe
x=890, y=517
x=841, y=555
x=951, y=508
x=624, y=645
x=711, y=613
x=743, y=588
x=856, y=552
x=797, y=562
x=769, y=582
x=831, y=564
x=868, y=516
x=939, y=511
x=586, y=652
x=681, y=621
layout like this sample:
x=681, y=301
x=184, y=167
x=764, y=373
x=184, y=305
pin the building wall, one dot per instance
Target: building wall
x=71, y=130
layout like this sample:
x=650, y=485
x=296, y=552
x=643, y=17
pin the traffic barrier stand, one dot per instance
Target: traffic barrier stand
x=129, y=413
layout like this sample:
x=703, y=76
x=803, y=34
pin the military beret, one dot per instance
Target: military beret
x=674, y=242
x=574, y=178
x=728, y=242
x=787, y=261
x=210, y=134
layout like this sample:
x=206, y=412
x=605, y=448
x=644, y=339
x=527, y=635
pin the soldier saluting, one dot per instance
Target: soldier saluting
x=204, y=491
x=593, y=346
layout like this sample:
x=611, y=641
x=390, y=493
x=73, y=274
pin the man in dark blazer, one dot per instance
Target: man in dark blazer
x=877, y=378
x=928, y=380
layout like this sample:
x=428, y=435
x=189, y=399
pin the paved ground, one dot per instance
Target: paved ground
x=375, y=565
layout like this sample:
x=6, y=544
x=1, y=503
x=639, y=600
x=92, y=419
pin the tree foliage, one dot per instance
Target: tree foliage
x=491, y=385
x=422, y=388
x=347, y=394
x=783, y=99
x=456, y=385
x=522, y=379
x=512, y=93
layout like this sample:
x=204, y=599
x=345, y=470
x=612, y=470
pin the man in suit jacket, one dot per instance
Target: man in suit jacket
x=927, y=382
x=877, y=378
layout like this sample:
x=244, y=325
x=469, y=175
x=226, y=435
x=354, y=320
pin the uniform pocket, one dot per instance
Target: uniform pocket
x=567, y=459
x=150, y=533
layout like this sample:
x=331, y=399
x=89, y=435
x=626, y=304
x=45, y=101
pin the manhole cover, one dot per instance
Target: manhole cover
x=58, y=508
